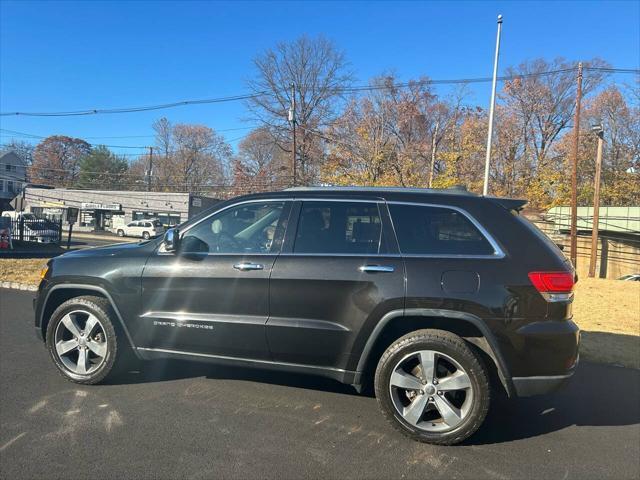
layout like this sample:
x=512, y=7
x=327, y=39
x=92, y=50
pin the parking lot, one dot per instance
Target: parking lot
x=181, y=420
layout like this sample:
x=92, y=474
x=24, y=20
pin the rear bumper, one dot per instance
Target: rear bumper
x=540, y=385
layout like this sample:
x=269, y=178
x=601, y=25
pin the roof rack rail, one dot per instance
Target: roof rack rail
x=455, y=190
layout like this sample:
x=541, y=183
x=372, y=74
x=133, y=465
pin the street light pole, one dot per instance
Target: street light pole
x=599, y=130
x=574, y=171
x=485, y=190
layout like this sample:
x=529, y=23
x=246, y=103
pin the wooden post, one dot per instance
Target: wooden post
x=596, y=207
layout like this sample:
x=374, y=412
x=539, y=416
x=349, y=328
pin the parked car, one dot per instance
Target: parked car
x=632, y=277
x=35, y=229
x=436, y=298
x=141, y=228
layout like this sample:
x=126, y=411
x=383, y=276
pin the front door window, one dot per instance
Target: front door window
x=251, y=228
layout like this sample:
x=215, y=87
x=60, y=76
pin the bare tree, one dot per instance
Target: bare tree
x=23, y=149
x=545, y=102
x=319, y=72
x=164, y=136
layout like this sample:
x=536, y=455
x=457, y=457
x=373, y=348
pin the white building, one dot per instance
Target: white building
x=104, y=209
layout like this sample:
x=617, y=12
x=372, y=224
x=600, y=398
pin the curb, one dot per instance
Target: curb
x=19, y=286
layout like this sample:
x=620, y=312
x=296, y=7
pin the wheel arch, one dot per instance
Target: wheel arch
x=469, y=327
x=58, y=294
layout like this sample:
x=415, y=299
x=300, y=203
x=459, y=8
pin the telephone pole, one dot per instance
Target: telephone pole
x=574, y=171
x=150, y=169
x=485, y=189
x=292, y=121
x=599, y=130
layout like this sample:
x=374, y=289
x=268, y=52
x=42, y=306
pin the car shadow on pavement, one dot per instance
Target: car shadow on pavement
x=597, y=395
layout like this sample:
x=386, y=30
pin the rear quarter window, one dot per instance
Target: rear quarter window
x=426, y=230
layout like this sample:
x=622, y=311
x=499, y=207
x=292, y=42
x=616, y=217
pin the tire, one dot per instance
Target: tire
x=120, y=233
x=103, y=339
x=146, y=235
x=454, y=362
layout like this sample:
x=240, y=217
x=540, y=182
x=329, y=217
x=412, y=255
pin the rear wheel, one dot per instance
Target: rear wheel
x=82, y=340
x=120, y=233
x=432, y=387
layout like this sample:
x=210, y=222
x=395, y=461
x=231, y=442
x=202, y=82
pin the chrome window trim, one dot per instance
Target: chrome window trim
x=498, y=253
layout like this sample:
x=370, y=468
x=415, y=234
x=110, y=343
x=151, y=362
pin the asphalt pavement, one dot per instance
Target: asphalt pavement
x=192, y=421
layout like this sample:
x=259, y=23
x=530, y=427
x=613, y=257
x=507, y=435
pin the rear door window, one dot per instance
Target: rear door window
x=426, y=230
x=339, y=228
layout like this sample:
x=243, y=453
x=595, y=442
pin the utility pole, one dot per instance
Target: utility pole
x=292, y=121
x=574, y=171
x=433, y=154
x=599, y=130
x=150, y=169
x=485, y=190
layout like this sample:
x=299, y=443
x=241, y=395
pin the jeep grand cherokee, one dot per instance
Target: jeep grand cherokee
x=434, y=297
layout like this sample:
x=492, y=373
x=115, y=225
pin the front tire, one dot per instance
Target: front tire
x=121, y=233
x=432, y=387
x=82, y=340
x=146, y=235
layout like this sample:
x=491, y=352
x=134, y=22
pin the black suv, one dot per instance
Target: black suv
x=433, y=297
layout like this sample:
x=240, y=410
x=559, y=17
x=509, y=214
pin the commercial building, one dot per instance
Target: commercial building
x=106, y=209
x=13, y=177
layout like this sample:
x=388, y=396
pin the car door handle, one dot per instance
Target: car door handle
x=376, y=268
x=248, y=266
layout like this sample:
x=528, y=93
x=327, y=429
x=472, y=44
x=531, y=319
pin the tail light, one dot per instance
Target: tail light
x=553, y=286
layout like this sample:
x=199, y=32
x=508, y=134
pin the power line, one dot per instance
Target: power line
x=129, y=136
x=353, y=89
x=614, y=70
x=40, y=137
x=162, y=106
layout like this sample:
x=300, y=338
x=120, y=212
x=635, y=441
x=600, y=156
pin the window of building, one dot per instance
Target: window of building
x=10, y=186
x=426, y=230
x=2, y=185
x=244, y=229
x=339, y=228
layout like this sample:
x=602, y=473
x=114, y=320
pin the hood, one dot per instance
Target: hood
x=107, y=250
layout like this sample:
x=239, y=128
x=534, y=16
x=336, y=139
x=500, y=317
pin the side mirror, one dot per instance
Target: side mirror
x=171, y=240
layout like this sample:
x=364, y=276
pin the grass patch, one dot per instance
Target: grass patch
x=23, y=270
x=607, y=312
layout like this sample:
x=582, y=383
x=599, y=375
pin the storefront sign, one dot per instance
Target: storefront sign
x=100, y=206
x=197, y=202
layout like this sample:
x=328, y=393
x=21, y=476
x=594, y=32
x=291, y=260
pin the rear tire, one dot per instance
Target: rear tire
x=82, y=340
x=120, y=233
x=432, y=387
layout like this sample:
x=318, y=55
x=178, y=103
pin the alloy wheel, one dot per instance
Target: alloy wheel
x=431, y=391
x=80, y=342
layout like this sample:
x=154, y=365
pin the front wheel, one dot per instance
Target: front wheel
x=145, y=235
x=432, y=387
x=120, y=233
x=82, y=340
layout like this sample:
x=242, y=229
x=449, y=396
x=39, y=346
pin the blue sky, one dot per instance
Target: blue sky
x=59, y=56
